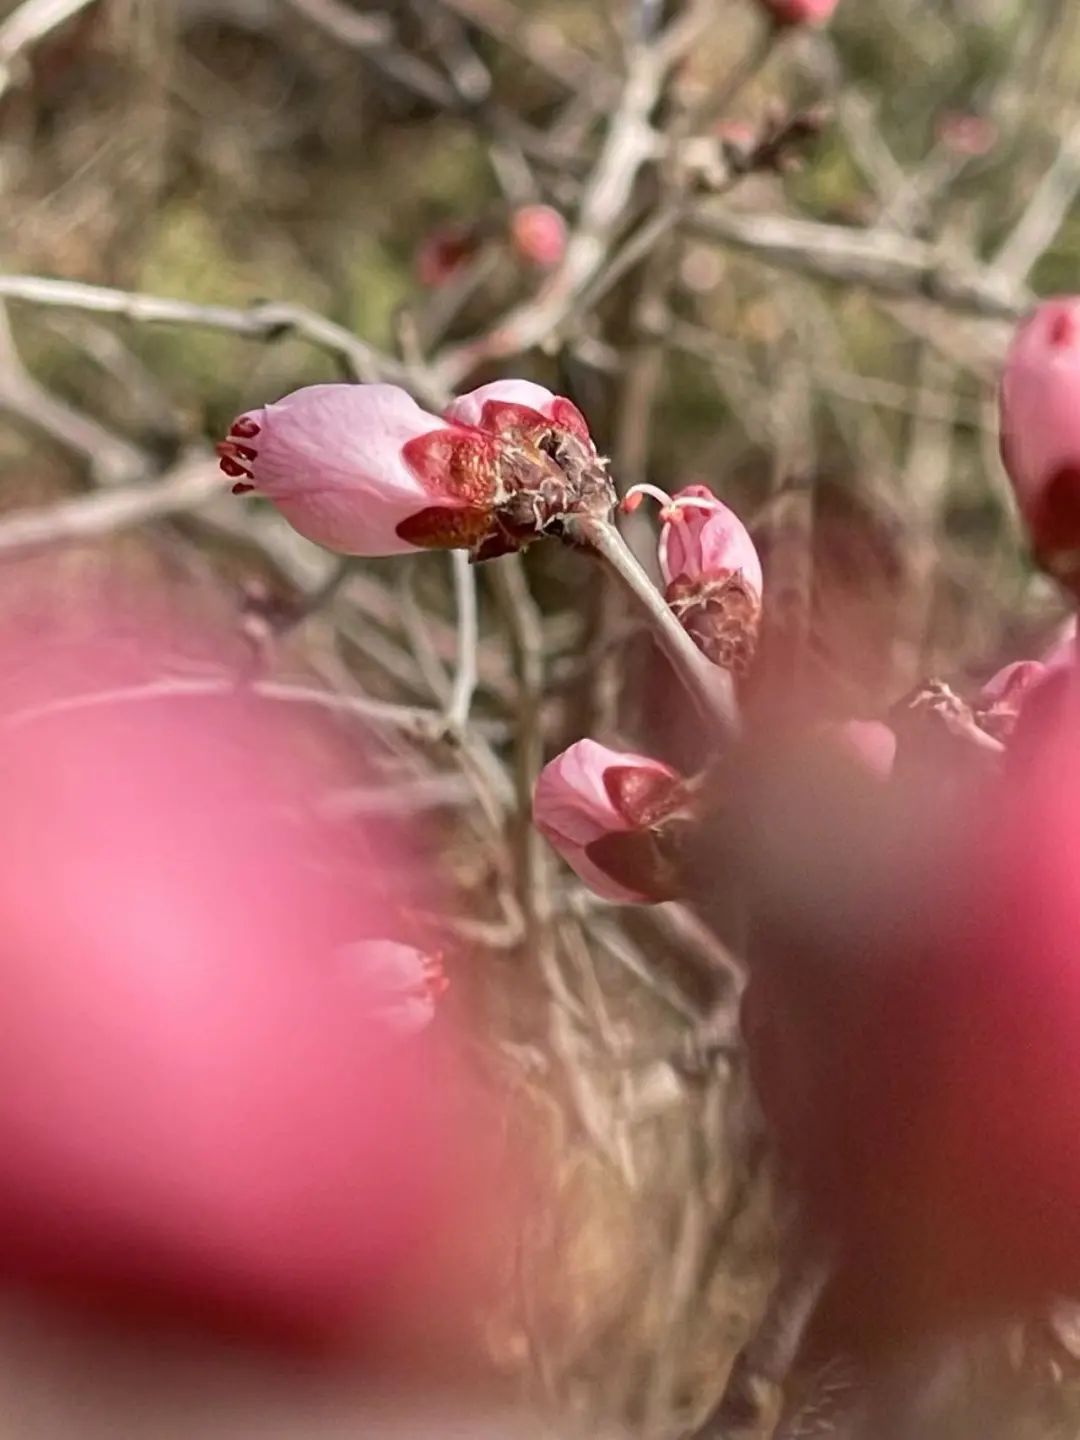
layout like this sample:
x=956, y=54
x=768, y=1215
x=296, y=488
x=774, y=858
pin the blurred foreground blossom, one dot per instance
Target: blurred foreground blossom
x=608, y=814
x=912, y=1022
x=363, y=470
x=204, y=1116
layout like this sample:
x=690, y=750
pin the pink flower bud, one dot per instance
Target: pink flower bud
x=1040, y=429
x=538, y=233
x=713, y=576
x=590, y=796
x=800, y=12
x=363, y=470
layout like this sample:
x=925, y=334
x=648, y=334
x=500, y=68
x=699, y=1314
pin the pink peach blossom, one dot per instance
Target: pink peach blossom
x=538, y=234
x=590, y=792
x=706, y=539
x=1040, y=425
x=713, y=576
x=800, y=12
x=363, y=470
x=347, y=465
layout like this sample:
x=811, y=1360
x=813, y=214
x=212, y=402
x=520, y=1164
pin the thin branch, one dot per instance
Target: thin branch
x=29, y=23
x=111, y=457
x=270, y=320
x=467, y=672
x=880, y=260
x=89, y=517
x=708, y=685
x=373, y=37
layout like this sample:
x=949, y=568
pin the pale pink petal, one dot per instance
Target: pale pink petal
x=330, y=458
x=468, y=409
x=482, y=407
x=396, y=983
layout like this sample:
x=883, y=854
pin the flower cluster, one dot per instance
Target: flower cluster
x=363, y=470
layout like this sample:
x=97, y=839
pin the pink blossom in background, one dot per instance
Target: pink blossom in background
x=800, y=12
x=538, y=235
x=204, y=1114
x=590, y=793
x=444, y=253
x=1040, y=425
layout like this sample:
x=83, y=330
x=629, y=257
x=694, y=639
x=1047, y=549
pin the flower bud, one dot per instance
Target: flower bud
x=608, y=814
x=538, y=235
x=713, y=577
x=363, y=470
x=1040, y=431
x=800, y=12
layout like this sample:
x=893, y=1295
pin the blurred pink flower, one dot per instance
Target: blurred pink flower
x=965, y=134
x=363, y=470
x=713, y=576
x=401, y=984
x=871, y=742
x=203, y=1115
x=589, y=794
x=538, y=234
x=800, y=12
x=1040, y=427
x=444, y=252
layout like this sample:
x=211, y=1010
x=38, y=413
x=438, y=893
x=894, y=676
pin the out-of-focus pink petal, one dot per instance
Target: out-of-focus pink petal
x=1040, y=423
x=332, y=459
x=572, y=808
x=871, y=741
x=400, y=984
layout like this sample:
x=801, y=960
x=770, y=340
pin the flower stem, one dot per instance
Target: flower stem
x=709, y=686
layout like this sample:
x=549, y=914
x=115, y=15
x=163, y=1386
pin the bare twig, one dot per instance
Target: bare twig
x=26, y=25
x=89, y=517
x=465, y=676
x=266, y=321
